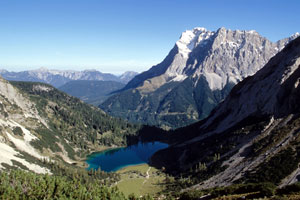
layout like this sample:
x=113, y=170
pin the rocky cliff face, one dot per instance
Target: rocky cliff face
x=252, y=136
x=196, y=75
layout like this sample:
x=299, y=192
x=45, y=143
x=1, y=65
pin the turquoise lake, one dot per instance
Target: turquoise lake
x=115, y=159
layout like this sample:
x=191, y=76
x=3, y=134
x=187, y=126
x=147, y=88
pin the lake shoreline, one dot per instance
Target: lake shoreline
x=103, y=151
x=115, y=159
x=130, y=166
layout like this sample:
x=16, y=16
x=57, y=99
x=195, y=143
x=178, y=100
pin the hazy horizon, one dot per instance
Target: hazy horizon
x=118, y=36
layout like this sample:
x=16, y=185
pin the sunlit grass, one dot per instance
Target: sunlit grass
x=134, y=180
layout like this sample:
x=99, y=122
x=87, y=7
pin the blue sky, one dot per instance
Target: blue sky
x=119, y=35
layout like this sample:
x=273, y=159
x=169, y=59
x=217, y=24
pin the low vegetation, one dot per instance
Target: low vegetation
x=18, y=184
x=264, y=190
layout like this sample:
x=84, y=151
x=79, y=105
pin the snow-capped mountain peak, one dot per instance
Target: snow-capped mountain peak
x=223, y=56
x=190, y=38
x=295, y=35
x=195, y=76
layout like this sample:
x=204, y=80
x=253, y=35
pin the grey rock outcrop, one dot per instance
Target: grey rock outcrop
x=196, y=75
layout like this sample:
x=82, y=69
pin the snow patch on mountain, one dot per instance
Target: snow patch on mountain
x=191, y=38
x=8, y=154
x=22, y=145
x=295, y=35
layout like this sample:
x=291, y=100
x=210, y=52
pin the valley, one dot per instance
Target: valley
x=85, y=90
x=218, y=118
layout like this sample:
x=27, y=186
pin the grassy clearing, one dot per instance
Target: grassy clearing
x=141, y=180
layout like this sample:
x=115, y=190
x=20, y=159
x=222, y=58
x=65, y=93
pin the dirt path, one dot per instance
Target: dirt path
x=147, y=175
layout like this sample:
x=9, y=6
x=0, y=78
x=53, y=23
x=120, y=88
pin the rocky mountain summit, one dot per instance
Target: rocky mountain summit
x=252, y=136
x=196, y=75
x=221, y=56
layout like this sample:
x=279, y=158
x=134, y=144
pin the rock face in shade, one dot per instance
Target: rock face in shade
x=253, y=134
x=196, y=75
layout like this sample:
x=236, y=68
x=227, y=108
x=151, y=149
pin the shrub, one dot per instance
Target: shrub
x=191, y=195
x=18, y=131
x=289, y=189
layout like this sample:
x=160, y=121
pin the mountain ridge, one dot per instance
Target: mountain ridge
x=196, y=75
x=58, y=78
x=197, y=38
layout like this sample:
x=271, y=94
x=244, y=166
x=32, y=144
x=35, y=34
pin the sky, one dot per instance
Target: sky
x=124, y=35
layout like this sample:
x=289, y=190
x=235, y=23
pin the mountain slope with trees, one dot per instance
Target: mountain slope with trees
x=196, y=75
x=39, y=122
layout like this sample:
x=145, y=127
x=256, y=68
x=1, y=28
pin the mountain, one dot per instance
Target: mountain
x=92, y=92
x=196, y=75
x=40, y=125
x=58, y=78
x=253, y=136
x=127, y=76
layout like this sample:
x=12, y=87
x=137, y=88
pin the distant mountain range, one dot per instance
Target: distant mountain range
x=253, y=136
x=196, y=75
x=58, y=78
x=92, y=92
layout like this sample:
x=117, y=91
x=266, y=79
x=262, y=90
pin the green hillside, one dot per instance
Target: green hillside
x=172, y=105
x=92, y=92
x=64, y=130
x=84, y=126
